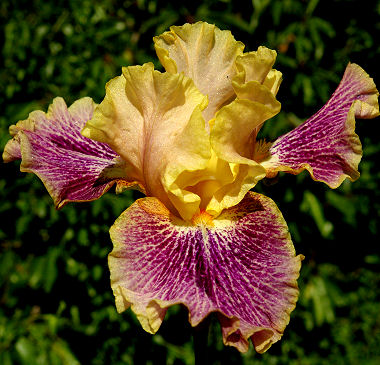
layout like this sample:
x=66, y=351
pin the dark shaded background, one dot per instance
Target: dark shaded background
x=56, y=304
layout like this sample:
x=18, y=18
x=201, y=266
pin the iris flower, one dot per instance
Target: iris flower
x=186, y=137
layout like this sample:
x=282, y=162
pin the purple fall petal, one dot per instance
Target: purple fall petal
x=12, y=150
x=72, y=167
x=241, y=265
x=326, y=144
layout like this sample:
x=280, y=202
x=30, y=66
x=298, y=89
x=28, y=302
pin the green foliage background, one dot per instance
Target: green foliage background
x=56, y=304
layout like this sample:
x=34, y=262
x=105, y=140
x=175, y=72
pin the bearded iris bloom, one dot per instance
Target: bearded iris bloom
x=186, y=137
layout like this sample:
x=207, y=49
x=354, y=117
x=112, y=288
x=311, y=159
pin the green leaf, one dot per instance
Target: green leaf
x=346, y=206
x=313, y=206
x=26, y=351
x=63, y=353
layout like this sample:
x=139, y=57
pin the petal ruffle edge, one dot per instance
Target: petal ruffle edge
x=235, y=127
x=241, y=265
x=204, y=53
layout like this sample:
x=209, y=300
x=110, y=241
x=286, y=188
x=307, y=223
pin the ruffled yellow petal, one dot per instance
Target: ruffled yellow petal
x=235, y=127
x=207, y=182
x=154, y=122
x=207, y=55
x=228, y=195
x=273, y=81
x=256, y=80
x=232, y=136
x=233, y=140
x=255, y=66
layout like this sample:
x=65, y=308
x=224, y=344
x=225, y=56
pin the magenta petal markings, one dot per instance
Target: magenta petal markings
x=241, y=264
x=72, y=167
x=232, y=254
x=326, y=144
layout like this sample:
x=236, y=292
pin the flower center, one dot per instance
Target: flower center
x=202, y=218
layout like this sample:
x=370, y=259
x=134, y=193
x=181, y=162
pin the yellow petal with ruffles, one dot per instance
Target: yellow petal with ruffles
x=235, y=127
x=207, y=55
x=233, y=139
x=232, y=136
x=256, y=80
x=273, y=81
x=154, y=121
x=255, y=66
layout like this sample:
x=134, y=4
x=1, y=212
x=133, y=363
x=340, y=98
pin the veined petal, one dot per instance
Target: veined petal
x=154, y=121
x=241, y=265
x=12, y=150
x=72, y=167
x=204, y=53
x=326, y=144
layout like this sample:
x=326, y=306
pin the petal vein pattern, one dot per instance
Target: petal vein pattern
x=72, y=167
x=241, y=265
x=188, y=139
x=326, y=144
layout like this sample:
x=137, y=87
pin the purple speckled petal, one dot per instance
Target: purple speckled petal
x=241, y=265
x=326, y=144
x=72, y=167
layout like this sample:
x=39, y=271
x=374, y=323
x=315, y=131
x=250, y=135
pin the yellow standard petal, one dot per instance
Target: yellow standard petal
x=256, y=80
x=235, y=127
x=207, y=55
x=154, y=122
x=256, y=65
x=233, y=139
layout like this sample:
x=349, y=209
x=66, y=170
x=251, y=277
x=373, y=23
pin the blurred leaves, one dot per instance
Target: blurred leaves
x=312, y=205
x=33, y=340
x=56, y=302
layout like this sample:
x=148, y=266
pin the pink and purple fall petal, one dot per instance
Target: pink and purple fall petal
x=241, y=265
x=326, y=144
x=72, y=167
